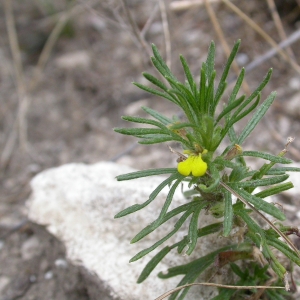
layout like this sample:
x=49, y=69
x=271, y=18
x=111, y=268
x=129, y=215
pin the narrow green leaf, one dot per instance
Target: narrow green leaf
x=136, y=207
x=220, y=88
x=155, y=92
x=202, y=91
x=273, y=294
x=237, y=270
x=216, y=179
x=170, y=197
x=151, y=227
x=155, y=81
x=146, y=173
x=260, y=112
x=230, y=107
x=228, y=214
x=258, y=233
x=210, y=61
x=262, y=182
x=267, y=156
x=153, y=263
x=277, y=171
x=246, y=111
x=160, y=138
x=275, y=190
x=177, y=226
x=187, y=72
x=237, y=86
x=192, y=270
x=164, y=120
x=209, y=229
x=162, y=62
x=157, y=140
x=260, y=204
x=282, y=247
x=209, y=107
x=193, y=229
x=145, y=121
x=139, y=131
x=159, y=67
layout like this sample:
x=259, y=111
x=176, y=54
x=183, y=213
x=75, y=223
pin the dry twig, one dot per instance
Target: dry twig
x=224, y=43
x=279, y=25
x=20, y=124
x=135, y=29
x=261, y=32
x=165, y=24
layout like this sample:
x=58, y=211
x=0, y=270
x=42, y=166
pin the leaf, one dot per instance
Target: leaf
x=193, y=229
x=237, y=86
x=187, y=72
x=210, y=61
x=146, y=173
x=145, y=121
x=209, y=229
x=136, y=207
x=260, y=112
x=162, y=63
x=177, y=226
x=164, y=120
x=139, y=131
x=155, y=81
x=156, y=92
x=267, y=156
x=262, y=205
x=153, y=263
x=222, y=82
x=151, y=227
x=245, y=112
x=275, y=190
x=157, y=140
x=202, y=92
x=262, y=182
x=170, y=197
x=277, y=171
x=228, y=214
x=282, y=247
x=230, y=107
x=192, y=270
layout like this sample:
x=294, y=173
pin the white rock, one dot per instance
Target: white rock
x=78, y=202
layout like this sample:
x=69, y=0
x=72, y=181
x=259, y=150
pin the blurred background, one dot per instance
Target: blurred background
x=66, y=69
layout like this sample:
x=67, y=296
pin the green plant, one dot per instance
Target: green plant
x=214, y=178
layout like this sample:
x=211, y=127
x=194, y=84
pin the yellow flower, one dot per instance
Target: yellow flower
x=193, y=164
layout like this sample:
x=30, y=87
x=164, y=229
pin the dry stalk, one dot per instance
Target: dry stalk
x=261, y=32
x=165, y=24
x=279, y=26
x=222, y=38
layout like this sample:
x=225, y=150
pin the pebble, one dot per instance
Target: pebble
x=48, y=275
x=31, y=248
x=61, y=263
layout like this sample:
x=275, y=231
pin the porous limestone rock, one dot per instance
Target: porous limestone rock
x=77, y=203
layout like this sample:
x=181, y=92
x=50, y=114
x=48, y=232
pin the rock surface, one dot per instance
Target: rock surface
x=77, y=204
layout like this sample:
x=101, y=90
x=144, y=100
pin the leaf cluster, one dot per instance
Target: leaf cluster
x=228, y=190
